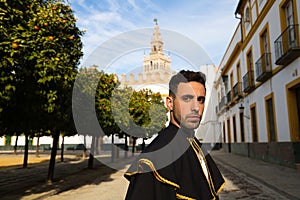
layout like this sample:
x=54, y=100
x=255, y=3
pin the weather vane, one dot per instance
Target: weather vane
x=155, y=20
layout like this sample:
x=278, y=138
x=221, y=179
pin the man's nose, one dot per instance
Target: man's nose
x=195, y=106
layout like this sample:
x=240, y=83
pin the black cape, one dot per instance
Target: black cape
x=169, y=168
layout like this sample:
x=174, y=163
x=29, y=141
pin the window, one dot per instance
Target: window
x=289, y=13
x=254, y=124
x=265, y=42
x=250, y=61
x=247, y=15
x=265, y=49
x=238, y=72
x=290, y=22
x=224, y=133
x=234, y=129
x=242, y=129
x=250, y=68
x=228, y=131
x=270, y=119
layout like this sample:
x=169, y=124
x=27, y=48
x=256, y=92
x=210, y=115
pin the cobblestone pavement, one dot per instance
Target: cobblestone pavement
x=240, y=186
x=256, y=179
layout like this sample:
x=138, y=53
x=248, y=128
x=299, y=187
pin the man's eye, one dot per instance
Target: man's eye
x=186, y=98
x=201, y=99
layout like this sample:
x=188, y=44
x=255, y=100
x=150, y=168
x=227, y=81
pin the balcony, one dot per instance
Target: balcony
x=222, y=103
x=248, y=81
x=228, y=96
x=287, y=45
x=263, y=67
x=237, y=91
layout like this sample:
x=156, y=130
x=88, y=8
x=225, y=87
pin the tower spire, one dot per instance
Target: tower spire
x=156, y=43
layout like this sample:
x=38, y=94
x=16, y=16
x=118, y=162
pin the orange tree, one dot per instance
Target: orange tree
x=91, y=97
x=40, y=48
x=139, y=114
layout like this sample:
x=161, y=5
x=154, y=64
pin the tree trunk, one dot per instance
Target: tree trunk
x=112, y=148
x=16, y=145
x=126, y=147
x=62, y=149
x=133, y=145
x=52, y=158
x=25, y=161
x=84, y=147
x=97, y=145
x=92, y=151
x=37, y=146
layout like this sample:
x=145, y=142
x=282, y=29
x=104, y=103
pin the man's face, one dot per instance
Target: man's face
x=188, y=105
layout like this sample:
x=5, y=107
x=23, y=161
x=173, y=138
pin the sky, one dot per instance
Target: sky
x=207, y=23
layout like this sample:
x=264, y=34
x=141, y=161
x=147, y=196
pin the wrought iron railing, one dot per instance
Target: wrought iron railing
x=237, y=90
x=229, y=97
x=222, y=103
x=248, y=81
x=263, y=67
x=286, y=43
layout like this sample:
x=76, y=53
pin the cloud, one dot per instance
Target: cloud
x=209, y=23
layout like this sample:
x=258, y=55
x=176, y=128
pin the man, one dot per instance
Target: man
x=174, y=166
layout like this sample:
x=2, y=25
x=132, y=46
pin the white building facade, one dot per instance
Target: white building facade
x=258, y=83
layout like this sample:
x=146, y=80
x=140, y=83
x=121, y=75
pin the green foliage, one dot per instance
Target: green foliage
x=40, y=47
x=106, y=85
x=119, y=109
x=139, y=113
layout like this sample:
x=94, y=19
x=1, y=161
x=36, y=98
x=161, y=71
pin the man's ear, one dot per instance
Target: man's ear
x=169, y=103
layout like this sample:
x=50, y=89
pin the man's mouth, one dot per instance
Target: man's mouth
x=195, y=118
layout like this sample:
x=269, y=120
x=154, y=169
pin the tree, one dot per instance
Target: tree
x=40, y=48
x=106, y=85
x=140, y=114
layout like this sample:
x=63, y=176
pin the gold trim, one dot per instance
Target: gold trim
x=130, y=173
x=200, y=150
x=179, y=196
x=197, y=150
x=156, y=174
x=291, y=100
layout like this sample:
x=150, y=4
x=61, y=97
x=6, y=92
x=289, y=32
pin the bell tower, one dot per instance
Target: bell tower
x=157, y=65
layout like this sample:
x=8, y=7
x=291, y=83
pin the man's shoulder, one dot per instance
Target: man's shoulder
x=162, y=139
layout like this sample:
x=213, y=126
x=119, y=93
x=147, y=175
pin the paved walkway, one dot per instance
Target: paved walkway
x=282, y=179
x=75, y=181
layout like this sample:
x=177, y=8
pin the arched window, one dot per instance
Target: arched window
x=247, y=15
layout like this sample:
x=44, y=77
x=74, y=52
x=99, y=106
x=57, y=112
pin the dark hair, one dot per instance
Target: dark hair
x=185, y=76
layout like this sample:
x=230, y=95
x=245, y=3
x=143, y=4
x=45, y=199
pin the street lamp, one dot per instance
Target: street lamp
x=242, y=110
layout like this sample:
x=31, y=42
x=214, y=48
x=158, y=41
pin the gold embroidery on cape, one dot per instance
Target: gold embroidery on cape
x=198, y=151
x=156, y=174
x=179, y=196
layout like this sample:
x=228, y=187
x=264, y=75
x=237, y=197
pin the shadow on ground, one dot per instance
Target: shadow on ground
x=18, y=183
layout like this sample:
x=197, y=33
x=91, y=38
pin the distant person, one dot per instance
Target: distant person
x=173, y=165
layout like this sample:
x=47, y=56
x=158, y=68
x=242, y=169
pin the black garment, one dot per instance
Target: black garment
x=175, y=172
